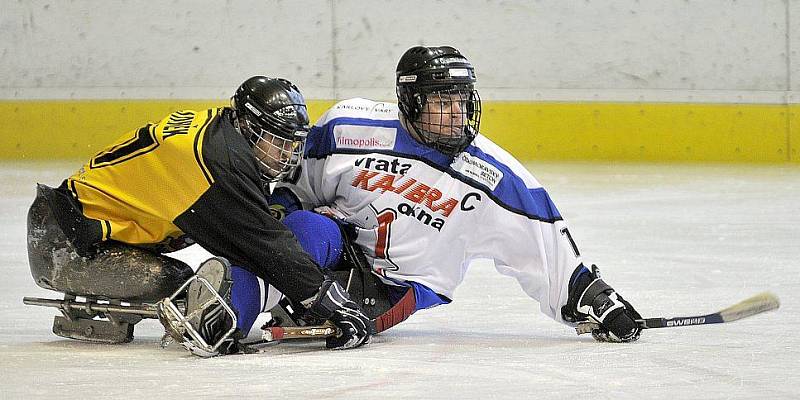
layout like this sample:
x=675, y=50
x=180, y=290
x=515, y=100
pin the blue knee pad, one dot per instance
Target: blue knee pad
x=318, y=235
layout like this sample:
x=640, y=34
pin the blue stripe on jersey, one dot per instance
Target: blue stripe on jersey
x=424, y=297
x=514, y=195
x=317, y=143
x=321, y=141
x=511, y=193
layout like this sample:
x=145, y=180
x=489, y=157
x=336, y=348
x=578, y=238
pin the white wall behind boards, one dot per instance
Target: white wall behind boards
x=623, y=50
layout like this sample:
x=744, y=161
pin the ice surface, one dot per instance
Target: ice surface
x=674, y=240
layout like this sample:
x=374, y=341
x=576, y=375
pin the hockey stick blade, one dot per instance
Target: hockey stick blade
x=757, y=304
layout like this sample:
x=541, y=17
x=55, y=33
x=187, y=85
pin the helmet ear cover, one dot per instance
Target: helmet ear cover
x=471, y=102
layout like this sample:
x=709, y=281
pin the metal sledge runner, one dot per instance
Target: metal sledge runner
x=94, y=320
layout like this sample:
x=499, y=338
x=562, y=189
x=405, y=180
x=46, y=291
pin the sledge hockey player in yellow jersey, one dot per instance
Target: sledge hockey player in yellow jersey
x=140, y=212
x=194, y=177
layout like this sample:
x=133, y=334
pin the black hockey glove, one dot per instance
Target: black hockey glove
x=334, y=304
x=592, y=299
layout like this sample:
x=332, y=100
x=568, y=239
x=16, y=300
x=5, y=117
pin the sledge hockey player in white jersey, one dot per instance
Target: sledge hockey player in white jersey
x=411, y=194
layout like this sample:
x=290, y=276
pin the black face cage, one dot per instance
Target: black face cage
x=447, y=120
x=278, y=147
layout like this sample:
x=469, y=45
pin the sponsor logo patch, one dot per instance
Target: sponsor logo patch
x=286, y=112
x=458, y=72
x=478, y=170
x=422, y=202
x=253, y=109
x=686, y=321
x=407, y=78
x=364, y=137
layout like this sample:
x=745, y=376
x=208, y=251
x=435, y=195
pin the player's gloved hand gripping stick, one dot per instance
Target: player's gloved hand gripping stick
x=334, y=305
x=591, y=299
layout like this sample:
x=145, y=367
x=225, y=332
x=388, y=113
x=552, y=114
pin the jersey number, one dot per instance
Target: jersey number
x=565, y=232
x=142, y=142
x=385, y=219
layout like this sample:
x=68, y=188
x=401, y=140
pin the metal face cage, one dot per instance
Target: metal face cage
x=447, y=120
x=277, y=154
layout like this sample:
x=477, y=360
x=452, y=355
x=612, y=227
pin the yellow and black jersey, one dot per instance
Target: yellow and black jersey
x=190, y=177
x=137, y=186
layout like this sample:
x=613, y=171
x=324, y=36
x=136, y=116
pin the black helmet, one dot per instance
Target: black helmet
x=436, y=94
x=271, y=114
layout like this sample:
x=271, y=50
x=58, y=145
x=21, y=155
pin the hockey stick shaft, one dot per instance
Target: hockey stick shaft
x=754, y=305
x=298, y=332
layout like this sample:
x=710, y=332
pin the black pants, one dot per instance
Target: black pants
x=114, y=271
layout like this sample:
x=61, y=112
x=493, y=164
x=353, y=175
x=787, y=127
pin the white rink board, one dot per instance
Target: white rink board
x=675, y=240
x=620, y=50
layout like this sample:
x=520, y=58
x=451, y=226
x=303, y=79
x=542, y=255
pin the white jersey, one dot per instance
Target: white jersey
x=424, y=217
